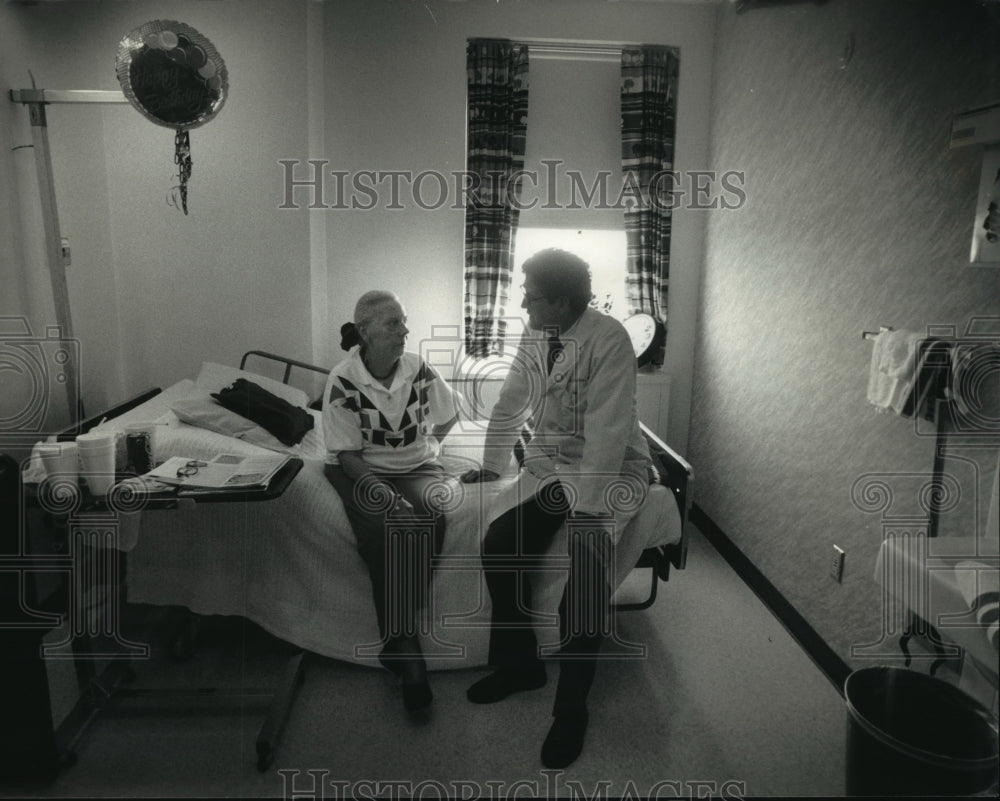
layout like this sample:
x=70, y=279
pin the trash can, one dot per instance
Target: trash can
x=912, y=734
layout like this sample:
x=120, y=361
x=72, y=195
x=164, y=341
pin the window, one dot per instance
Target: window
x=573, y=144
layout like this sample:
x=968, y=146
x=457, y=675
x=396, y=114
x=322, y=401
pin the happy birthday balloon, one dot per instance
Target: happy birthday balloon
x=172, y=74
x=175, y=77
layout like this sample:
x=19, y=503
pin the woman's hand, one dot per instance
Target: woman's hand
x=441, y=431
x=475, y=476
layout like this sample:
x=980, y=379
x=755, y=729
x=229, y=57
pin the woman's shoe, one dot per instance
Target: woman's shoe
x=412, y=674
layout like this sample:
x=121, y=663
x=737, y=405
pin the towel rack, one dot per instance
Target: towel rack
x=872, y=334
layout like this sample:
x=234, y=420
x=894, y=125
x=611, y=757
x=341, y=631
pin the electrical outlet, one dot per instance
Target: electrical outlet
x=837, y=564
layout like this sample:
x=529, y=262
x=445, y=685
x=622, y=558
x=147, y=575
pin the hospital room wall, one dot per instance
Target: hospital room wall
x=154, y=292
x=858, y=215
x=408, y=112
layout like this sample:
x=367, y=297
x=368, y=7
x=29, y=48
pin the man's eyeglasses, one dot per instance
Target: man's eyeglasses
x=532, y=298
x=190, y=468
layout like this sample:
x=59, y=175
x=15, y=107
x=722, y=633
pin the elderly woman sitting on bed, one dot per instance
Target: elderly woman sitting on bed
x=385, y=413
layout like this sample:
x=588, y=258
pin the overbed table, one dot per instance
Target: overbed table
x=87, y=556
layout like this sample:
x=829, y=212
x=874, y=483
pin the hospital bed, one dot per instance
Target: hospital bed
x=291, y=565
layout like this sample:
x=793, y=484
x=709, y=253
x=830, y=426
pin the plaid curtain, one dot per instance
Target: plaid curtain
x=649, y=105
x=497, y=115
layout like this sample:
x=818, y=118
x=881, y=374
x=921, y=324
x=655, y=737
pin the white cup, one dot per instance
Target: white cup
x=97, y=460
x=61, y=460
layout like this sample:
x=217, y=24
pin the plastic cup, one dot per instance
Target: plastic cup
x=61, y=460
x=97, y=460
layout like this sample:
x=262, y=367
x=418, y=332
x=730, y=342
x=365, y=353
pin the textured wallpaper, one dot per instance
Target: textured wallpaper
x=857, y=215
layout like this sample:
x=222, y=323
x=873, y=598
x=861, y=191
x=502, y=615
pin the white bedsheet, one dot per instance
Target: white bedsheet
x=291, y=565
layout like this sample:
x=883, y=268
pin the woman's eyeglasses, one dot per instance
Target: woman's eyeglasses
x=190, y=469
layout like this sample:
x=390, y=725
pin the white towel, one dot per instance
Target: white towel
x=980, y=586
x=893, y=370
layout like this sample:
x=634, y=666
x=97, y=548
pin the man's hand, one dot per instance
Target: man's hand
x=475, y=476
x=402, y=508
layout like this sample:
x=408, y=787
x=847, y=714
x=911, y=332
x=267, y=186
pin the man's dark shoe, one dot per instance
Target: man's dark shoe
x=565, y=740
x=501, y=683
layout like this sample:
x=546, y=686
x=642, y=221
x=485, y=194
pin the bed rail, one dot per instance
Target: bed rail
x=288, y=363
x=70, y=434
x=677, y=476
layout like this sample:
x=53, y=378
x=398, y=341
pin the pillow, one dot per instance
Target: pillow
x=216, y=377
x=203, y=412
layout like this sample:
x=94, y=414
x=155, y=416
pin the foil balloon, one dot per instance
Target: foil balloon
x=176, y=78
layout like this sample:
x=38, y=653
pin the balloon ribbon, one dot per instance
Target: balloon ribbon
x=182, y=158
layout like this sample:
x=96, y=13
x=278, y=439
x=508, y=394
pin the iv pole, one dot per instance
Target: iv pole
x=36, y=100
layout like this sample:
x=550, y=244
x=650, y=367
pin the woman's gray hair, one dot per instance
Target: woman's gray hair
x=364, y=309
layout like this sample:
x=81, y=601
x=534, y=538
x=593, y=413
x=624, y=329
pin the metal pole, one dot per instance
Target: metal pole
x=53, y=249
x=36, y=100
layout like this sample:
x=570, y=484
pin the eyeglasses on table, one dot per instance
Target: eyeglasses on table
x=190, y=469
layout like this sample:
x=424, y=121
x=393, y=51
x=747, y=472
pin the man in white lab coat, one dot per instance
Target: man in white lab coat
x=573, y=384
